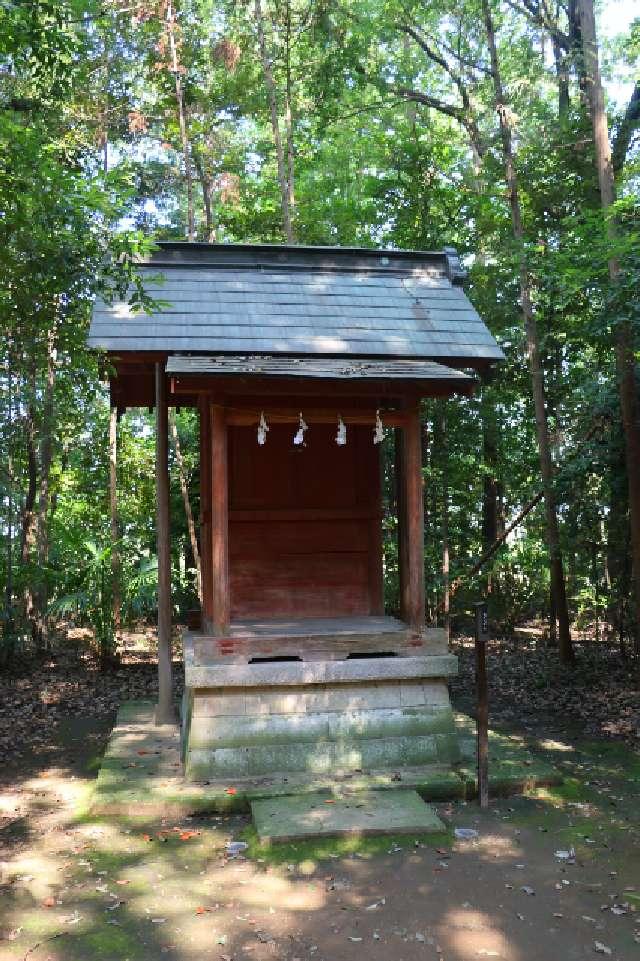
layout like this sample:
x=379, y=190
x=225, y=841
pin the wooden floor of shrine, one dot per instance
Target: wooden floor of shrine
x=310, y=638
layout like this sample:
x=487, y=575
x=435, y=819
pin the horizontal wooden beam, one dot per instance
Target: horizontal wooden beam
x=300, y=514
x=313, y=415
x=268, y=386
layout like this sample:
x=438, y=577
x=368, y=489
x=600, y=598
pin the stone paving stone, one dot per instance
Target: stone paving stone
x=320, y=815
x=141, y=773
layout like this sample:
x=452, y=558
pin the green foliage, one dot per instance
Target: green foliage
x=395, y=142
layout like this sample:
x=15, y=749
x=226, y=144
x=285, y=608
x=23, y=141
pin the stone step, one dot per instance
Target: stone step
x=298, y=817
x=312, y=699
x=224, y=731
x=321, y=757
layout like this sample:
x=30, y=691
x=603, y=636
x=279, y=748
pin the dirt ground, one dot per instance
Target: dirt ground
x=553, y=877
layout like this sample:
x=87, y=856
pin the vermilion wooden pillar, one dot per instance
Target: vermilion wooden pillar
x=165, y=711
x=205, y=512
x=219, y=521
x=411, y=521
x=376, y=573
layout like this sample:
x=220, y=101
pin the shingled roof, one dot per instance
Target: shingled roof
x=300, y=301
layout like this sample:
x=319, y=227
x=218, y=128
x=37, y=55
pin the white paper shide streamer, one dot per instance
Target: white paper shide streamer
x=378, y=432
x=341, y=436
x=299, y=435
x=263, y=427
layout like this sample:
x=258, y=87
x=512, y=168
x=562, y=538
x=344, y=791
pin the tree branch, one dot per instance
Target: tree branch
x=535, y=13
x=464, y=115
x=408, y=93
x=624, y=134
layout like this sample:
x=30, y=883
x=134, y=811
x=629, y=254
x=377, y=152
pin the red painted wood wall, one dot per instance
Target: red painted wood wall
x=304, y=524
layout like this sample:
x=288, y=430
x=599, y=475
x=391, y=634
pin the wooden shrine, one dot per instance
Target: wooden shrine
x=300, y=360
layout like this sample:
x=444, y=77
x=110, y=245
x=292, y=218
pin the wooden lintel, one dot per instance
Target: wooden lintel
x=318, y=387
x=307, y=514
x=248, y=418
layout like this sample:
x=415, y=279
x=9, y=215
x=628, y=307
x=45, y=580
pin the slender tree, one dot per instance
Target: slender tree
x=184, y=488
x=533, y=344
x=177, y=70
x=624, y=340
x=284, y=164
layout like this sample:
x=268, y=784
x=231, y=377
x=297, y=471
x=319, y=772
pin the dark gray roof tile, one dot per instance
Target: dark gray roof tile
x=221, y=299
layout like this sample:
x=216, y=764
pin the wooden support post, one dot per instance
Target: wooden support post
x=219, y=521
x=411, y=505
x=376, y=573
x=482, y=707
x=116, y=592
x=401, y=541
x=165, y=713
x=205, y=513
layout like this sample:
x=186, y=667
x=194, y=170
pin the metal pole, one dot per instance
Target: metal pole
x=482, y=709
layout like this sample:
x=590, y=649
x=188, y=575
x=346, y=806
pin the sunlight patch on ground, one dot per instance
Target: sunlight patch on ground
x=550, y=745
x=490, y=846
x=473, y=934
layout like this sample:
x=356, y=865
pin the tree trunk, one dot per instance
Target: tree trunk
x=283, y=179
x=288, y=115
x=182, y=120
x=46, y=454
x=617, y=535
x=29, y=519
x=623, y=338
x=206, y=186
x=10, y=625
x=191, y=527
x=116, y=597
x=533, y=350
x=562, y=78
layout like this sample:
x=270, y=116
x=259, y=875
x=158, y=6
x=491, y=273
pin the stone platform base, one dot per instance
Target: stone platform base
x=141, y=774
x=333, y=715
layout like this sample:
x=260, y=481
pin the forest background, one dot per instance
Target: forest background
x=480, y=124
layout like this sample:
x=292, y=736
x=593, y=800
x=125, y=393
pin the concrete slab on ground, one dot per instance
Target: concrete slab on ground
x=141, y=773
x=513, y=767
x=299, y=817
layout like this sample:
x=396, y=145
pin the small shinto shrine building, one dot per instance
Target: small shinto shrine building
x=297, y=360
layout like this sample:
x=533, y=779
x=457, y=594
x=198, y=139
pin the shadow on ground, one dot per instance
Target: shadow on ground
x=553, y=875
